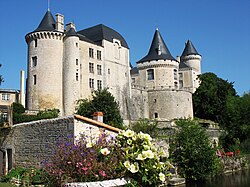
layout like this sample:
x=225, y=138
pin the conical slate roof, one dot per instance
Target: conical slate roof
x=189, y=49
x=71, y=32
x=158, y=50
x=48, y=23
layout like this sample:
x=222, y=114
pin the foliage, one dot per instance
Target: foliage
x=146, y=126
x=14, y=173
x=18, y=108
x=211, y=97
x=102, y=101
x=142, y=161
x=190, y=149
x=47, y=114
x=245, y=146
x=85, y=161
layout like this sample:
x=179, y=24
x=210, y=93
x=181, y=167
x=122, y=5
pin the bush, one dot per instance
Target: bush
x=47, y=114
x=245, y=146
x=142, y=161
x=191, y=150
x=85, y=161
x=18, y=108
x=146, y=126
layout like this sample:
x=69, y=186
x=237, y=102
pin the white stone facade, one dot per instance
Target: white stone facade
x=65, y=66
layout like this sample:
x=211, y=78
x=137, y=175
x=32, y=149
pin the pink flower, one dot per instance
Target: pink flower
x=84, y=168
x=102, y=173
x=69, y=162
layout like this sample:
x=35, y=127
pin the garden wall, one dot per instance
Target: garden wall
x=29, y=144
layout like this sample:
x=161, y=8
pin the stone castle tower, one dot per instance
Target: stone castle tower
x=65, y=65
x=162, y=86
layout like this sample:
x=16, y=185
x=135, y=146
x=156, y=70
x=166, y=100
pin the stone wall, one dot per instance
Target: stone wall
x=33, y=142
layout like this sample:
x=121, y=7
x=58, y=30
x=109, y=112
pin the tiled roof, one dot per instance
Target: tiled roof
x=48, y=23
x=189, y=49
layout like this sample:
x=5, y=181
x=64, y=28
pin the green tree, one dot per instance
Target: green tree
x=18, y=108
x=210, y=99
x=102, y=101
x=191, y=150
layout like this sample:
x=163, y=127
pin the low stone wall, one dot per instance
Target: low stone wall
x=236, y=163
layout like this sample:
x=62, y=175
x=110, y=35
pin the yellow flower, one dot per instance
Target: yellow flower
x=105, y=151
x=162, y=177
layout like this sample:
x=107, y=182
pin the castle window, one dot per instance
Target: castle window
x=175, y=85
x=181, y=83
x=76, y=44
x=155, y=100
x=34, y=79
x=5, y=97
x=150, y=73
x=99, y=84
x=133, y=80
x=77, y=62
x=77, y=76
x=180, y=75
x=108, y=71
x=91, y=83
x=156, y=115
x=91, y=67
x=117, y=47
x=91, y=53
x=99, y=69
x=175, y=74
x=35, y=42
x=34, y=61
x=99, y=55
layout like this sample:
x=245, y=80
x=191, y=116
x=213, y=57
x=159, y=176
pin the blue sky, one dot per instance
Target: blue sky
x=219, y=29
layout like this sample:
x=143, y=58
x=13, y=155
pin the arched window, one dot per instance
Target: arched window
x=150, y=74
x=117, y=48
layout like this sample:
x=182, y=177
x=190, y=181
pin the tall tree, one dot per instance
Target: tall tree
x=102, y=101
x=210, y=98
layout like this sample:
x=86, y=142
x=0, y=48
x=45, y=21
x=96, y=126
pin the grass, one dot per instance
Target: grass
x=6, y=185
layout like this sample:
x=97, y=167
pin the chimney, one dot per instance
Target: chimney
x=22, y=94
x=98, y=116
x=70, y=25
x=59, y=22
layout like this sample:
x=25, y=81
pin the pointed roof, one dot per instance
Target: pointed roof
x=71, y=32
x=158, y=50
x=102, y=32
x=189, y=49
x=48, y=23
x=183, y=65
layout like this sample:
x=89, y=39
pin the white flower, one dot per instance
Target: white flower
x=105, y=151
x=148, y=154
x=146, y=147
x=128, y=133
x=89, y=145
x=162, y=177
x=129, y=141
x=141, y=157
x=134, y=168
x=144, y=136
x=127, y=164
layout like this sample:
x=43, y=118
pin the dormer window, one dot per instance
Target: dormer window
x=117, y=47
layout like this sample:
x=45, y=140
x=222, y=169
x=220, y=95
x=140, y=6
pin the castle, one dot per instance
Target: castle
x=65, y=65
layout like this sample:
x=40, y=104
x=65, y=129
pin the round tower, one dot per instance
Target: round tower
x=45, y=54
x=71, y=70
x=191, y=57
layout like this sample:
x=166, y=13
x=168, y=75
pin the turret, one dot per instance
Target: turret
x=158, y=69
x=45, y=52
x=71, y=70
x=191, y=57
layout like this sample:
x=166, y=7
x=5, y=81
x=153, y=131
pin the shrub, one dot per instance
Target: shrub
x=146, y=126
x=84, y=161
x=18, y=108
x=142, y=161
x=191, y=150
